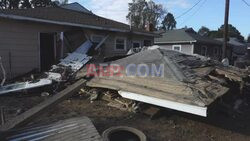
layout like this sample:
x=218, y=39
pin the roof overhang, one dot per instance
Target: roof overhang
x=196, y=110
x=23, y=18
x=178, y=42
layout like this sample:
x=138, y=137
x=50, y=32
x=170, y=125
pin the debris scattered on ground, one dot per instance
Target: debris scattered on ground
x=189, y=83
x=77, y=129
x=62, y=72
x=35, y=111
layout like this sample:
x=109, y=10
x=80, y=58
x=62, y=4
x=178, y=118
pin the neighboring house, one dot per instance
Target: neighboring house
x=189, y=42
x=77, y=7
x=37, y=38
x=239, y=49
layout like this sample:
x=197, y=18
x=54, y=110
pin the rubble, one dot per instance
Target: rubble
x=59, y=73
x=190, y=83
x=35, y=111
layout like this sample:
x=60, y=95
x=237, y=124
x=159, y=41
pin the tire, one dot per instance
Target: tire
x=132, y=131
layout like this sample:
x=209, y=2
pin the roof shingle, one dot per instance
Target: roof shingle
x=184, y=35
x=63, y=15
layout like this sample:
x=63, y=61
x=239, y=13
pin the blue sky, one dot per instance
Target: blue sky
x=209, y=13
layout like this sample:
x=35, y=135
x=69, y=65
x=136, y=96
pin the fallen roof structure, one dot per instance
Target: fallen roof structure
x=184, y=84
x=35, y=111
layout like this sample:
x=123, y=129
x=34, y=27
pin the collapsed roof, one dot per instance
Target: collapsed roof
x=185, y=85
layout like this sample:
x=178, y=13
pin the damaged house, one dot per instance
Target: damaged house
x=35, y=39
x=187, y=41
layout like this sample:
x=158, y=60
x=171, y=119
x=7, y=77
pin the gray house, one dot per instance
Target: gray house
x=35, y=39
x=239, y=49
x=189, y=42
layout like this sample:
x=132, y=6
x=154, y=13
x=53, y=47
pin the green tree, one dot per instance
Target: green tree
x=25, y=4
x=153, y=13
x=9, y=4
x=64, y=2
x=232, y=32
x=41, y=3
x=14, y=4
x=204, y=31
x=142, y=13
x=169, y=22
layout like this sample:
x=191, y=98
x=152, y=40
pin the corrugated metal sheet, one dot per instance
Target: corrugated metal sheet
x=77, y=129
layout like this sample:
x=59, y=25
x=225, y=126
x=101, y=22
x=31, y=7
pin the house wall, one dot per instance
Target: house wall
x=185, y=48
x=108, y=49
x=210, y=50
x=19, y=45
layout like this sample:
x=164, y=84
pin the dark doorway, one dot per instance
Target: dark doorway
x=47, y=51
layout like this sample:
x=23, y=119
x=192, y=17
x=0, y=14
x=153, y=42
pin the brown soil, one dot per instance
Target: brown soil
x=171, y=126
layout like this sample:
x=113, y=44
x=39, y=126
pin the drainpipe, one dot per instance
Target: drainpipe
x=4, y=72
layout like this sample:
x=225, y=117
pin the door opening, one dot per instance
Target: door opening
x=47, y=50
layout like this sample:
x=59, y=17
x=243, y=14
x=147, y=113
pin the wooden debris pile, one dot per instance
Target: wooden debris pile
x=189, y=84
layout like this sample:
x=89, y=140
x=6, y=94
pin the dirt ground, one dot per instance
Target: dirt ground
x=170, y=126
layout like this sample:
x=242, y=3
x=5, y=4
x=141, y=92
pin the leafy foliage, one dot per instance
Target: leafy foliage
x=142, y=13
x=25, y=4
x=16, y=4
x=169, y=22
x=204, y=31
x=232, y=32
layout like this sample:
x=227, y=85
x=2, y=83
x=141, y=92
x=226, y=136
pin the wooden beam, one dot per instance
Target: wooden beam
x=42, y=107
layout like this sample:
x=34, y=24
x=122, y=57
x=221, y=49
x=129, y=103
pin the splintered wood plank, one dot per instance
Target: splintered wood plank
x=37, y=110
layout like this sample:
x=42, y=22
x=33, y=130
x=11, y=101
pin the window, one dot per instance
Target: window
x=136, y=44
x=147, y=43
x=96, y=38
x=216, y=51
x=120, y=44
x=204, y=51
x=176, y=47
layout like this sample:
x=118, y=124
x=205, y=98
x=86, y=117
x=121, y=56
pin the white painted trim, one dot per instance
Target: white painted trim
x=192, y=49
x=196, y=110
x=176, y=42
x=62, y=46
x=15, y=17
x=173, y=46
x=125, y=44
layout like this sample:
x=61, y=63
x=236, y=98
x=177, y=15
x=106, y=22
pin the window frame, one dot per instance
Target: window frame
x=125, y=44
x=217, y=53
x=202, y=47
x=173, y=46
